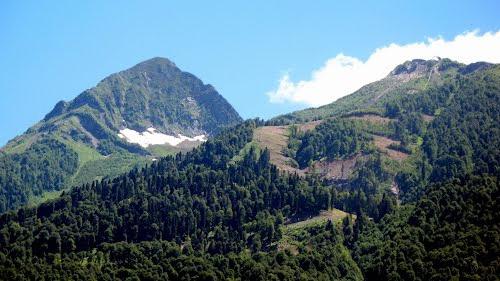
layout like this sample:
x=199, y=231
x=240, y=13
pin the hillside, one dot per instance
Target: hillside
x=406, y=189
x=150, y=110
x=398, y=121
x=409, y=78
x=198, y=202
x=430, y=147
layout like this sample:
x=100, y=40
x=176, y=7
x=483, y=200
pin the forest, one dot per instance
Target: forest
x=43, y=166
x=203, y=215
x=196, y=200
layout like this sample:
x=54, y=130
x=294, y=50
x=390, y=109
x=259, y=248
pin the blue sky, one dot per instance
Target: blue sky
x=53, y=50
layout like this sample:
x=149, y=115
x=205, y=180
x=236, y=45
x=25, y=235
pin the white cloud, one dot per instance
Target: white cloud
x=342, y=75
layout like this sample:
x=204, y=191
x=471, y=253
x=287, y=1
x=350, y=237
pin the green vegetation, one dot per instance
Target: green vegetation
x=154, y=93
x=249, y=148
x=223, y=211
x=163, y=150
x=451, y=234
x=111, y=166
x=46, y=165
x=45, y=196
x=324, y=259
x=334, y=215
x=85, y=152
x=372, y=97
x=447, y=230
x=332, y=139
x=450, y=231
x=198, y=200
x=463, y=139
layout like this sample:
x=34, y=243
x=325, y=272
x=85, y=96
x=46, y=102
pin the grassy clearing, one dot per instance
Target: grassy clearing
x=111, y=166
x=294, y=234
x=48, y=195
x=85, y=152
x=93, y=166
x=383, y=144
x=335, y=215
x=245, y=150
x=275, y=138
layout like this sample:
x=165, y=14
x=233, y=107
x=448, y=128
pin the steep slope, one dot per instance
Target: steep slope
x=446, y=184
x=154, y=93
x=152, y=109
x=438, y=122
x=392, y=113
x=409, y=78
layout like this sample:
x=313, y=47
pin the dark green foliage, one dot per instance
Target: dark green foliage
x=339, y=139
x=463, y=138
x=451, y=234
x=374, y=96
x=332, y=139
x=198, y=200
x=468, y=130
x=364, y=192
x=407, y=127
x=46, y=165
x=452, y=231
x=325, y=259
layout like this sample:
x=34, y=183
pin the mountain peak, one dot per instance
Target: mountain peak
x=152, y=94
x=418, y=67
x=155, y=65
x=157, y=61
x=415, y=66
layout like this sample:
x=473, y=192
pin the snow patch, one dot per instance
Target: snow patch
x=152, y=137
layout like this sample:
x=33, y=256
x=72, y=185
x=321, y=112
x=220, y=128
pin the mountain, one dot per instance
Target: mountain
x=154, y=93
x=130, y=117
x=404, y=189
x=415, y=156
x=390, y=116
x=423, y=112
x=409, y=78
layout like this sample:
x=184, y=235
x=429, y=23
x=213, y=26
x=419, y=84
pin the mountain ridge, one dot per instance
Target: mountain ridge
x=411, y=77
